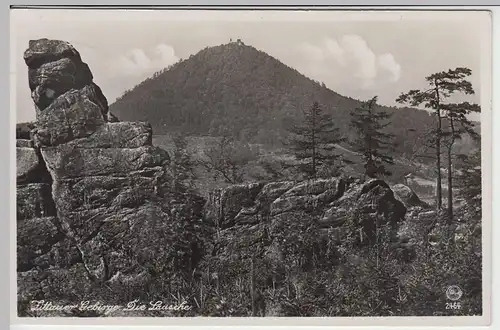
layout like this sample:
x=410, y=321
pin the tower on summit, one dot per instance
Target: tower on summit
x=238, y=41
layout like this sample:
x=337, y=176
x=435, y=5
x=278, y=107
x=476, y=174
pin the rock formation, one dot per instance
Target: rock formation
x=408, y=197
x=86, y=185
x=244, y=211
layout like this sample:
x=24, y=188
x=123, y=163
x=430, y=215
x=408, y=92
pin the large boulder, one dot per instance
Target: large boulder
x=250, y=217
x=46, y=50
x=69, y=104
x=224, y=205
x=117, y=135
x=27, y=163
x=23, y=130
x=57, y=77
x=366, y=206
x=30, y=167
x=252, y=203
x=308, y=195
x=74, y=114
x=54, y=68
x=407, y=196
x=66, y=161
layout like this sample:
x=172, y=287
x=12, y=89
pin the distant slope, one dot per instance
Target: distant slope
x=423, y=181
x=238, y=89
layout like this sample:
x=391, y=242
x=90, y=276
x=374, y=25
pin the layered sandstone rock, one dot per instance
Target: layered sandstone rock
x=69, y=104
x=250, y=217
x=93, y=193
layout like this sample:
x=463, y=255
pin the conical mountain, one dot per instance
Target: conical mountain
x=237, y=88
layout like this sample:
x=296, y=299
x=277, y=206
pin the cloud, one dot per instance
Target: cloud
x=167, y=53
x=361, y=57
x=389, y=63
x=352, y=58
x=137, y=62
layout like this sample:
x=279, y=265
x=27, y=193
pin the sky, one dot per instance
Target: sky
x=356, y=54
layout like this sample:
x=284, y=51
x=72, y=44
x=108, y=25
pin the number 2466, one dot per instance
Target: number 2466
x=453, y=305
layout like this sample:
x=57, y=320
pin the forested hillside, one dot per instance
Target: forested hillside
x=235, y=88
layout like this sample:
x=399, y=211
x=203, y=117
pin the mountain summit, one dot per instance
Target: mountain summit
x=236, y=88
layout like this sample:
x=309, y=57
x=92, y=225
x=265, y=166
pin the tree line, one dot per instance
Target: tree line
x=313, y=140
x=451, y=121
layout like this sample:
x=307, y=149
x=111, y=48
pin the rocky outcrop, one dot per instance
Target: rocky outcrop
x=408, y=197
x=252, y=203
x=54, y=68
x=69, y=104
x=248, y=216
x=93, y=196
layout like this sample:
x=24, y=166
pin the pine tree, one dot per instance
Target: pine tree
x=457, y=125
x=469, y=181
x=441, y=86
x=314, y=140
x=372, y=141
x=182, y=166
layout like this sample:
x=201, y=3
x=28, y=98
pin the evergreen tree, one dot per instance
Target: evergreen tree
x=469, y=181
x=457, y=125
x=441, y=86
x=372, y=141
x=313, y=141
x=182, y=166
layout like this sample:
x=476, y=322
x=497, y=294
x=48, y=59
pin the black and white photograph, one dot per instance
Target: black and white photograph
x=245, y=163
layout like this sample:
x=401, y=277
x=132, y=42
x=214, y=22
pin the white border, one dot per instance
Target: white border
x=486, y=118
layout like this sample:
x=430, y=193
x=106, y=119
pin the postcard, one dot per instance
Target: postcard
x=258, y=167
